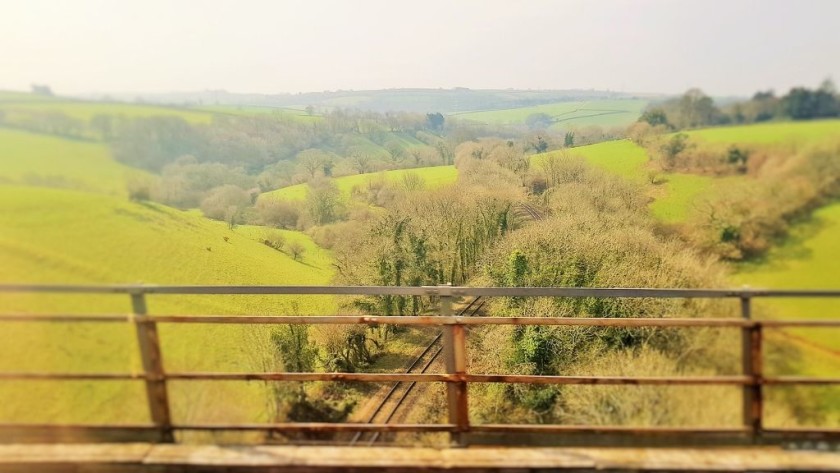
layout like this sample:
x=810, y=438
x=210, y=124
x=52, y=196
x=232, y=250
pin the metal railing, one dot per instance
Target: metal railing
x=456, y=376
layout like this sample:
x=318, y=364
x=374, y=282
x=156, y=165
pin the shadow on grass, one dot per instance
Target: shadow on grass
x=790, y=248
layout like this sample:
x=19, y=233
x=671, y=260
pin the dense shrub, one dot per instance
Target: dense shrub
x=430, y=237
x=278, y=213
x=139, y=188
x=274, y=239
x=596, y=233
x=226, y=203
x=324, y=203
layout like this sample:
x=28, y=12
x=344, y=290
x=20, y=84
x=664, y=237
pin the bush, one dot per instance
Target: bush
x=349, y=348
x=296, y=249
x=411, y=181
x=376, y=191
x=596, y=234
x=226, y=203
x=327, y=236
x=275, y=239
x=278, y=213
x=139, y=189
x=323, y=202
x=672, y=148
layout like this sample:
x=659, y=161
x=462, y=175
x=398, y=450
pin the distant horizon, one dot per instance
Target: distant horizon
x=724, y=47
x=94, y=93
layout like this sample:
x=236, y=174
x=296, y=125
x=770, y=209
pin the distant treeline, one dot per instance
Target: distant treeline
x=695, y=109
x=413, y=100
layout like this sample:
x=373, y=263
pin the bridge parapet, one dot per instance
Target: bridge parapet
x=457, y=376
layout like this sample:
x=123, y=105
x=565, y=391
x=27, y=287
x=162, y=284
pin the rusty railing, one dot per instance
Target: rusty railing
x=456, y=376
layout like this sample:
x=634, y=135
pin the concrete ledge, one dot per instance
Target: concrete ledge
x=208, y=458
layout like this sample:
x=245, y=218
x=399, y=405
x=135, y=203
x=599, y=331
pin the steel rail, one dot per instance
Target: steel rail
x=413, y=365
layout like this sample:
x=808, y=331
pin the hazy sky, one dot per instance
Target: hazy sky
x=725, y=47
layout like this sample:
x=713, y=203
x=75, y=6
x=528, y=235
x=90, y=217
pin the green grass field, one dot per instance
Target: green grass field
x=290, y=113
x=65, y=219
x=87, y=110
x=809, y=259
x=604, y=113
x=770, y=133
x=621, y=157
x=33, y=159
x=681, y=191
x=432, y=177
x=62, y=236
x=675, y=198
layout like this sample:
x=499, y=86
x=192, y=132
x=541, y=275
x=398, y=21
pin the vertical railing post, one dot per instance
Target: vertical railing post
x=150, y=354
x=455, y=359
x=751, y=338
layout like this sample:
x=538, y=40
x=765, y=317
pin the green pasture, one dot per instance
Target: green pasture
x=85, y=111
x=436, y=176
x=677, y=197
x=622, y=157
x=65, y=220
x=808, y=259
x=604, y=113
x=42, y=160
x=800, y=132
x=284, y=112
x=64, y=236
x=682, y=191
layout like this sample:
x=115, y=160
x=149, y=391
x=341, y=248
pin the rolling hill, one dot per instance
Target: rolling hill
x=565, y=115
x=66, y=219
x=290, y=113
x=674, y=198
x=41, y=160
x=63, y=236
x=807, y=259
x=432, y=177
x=16, y=109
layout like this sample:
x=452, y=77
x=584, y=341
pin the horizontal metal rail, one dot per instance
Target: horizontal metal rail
x=415, y=320
x=457, y=378
x=478, y=428
x=425, y=378
x=423, y=291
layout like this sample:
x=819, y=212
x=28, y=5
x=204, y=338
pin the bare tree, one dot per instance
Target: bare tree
x=296, y=249
x=312, y=160
x=360, y=161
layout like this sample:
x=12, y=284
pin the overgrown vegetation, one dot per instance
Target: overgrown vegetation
x=431, y=237
x=745, y=219
x=596, y=234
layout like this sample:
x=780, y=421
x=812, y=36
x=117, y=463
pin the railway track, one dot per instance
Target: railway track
x=531, y=211
x=396, y=397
